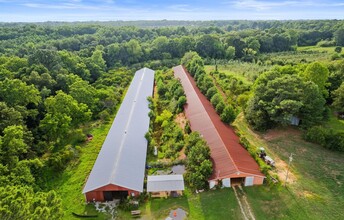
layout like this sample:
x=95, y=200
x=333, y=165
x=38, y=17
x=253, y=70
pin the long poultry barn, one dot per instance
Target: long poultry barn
x=120, y=166
x=231, y=162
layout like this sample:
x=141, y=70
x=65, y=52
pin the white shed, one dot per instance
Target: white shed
x=165, y=185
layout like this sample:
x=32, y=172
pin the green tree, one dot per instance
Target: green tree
x=97, y=59
x=339, y=37
x=12, y=145
x=210, y=46
x=253, y=43
x=9, y=116
x=188, y=57
x=230, y=52
x=317, y=73
x=83, y=92
x=279, y=97
x=22, y=203
x=199, y=166
x=12, y=92
x=228, y=114
x=63, y=113
x=338, y=98
x=47, y=57
x=112, y=54
x=131, y=52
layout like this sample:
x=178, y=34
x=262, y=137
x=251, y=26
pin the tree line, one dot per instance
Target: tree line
x=46, y=97
x=129, y=45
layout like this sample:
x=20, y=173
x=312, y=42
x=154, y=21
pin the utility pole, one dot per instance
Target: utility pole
x=290, y=160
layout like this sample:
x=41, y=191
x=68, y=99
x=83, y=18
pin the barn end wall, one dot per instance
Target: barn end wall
x=258, y=180
x=98, y=195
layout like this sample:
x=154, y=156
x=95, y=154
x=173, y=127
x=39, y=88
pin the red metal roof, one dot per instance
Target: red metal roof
x=229, y=158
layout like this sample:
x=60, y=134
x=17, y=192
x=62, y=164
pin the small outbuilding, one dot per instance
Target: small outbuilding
x=165, y=185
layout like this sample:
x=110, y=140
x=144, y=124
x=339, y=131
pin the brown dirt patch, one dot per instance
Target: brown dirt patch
x=309, y=195
x=281, y=132
x=181, y=120
x=281, y=170
x=182, y=155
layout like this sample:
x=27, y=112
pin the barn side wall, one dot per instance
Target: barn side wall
x=98, y=195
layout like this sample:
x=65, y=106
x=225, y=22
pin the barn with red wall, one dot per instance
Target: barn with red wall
x=119, y=169
x=232, y=163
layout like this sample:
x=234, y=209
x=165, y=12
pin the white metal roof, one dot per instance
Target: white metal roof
x=122, y=159
x=165, y=183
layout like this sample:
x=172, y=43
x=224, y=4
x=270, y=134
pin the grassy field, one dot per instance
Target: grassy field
x=334, y=123
x=70, y=184
x=317, y=190
x=247, y=72
x=317, y=49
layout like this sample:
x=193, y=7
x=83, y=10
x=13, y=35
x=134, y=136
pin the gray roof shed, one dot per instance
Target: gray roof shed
x=122, y=158
x=161, y=183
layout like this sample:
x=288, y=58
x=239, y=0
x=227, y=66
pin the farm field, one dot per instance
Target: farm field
x=247, y=72
x=315, y=186
x=317, y=49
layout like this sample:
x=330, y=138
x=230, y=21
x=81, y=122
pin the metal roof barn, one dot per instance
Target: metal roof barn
x=165, y=183
x=120, y=164
x=230, y=159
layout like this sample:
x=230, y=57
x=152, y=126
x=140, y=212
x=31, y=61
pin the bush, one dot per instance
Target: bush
x=335, y=56
x=316, y=134
x=335, y=141
x=220, y=107
x=216, y=99
x=326, y=43
x=338, y=49
x=187, y=128
x=327, y=138
x=211, y=92
x=228, y=115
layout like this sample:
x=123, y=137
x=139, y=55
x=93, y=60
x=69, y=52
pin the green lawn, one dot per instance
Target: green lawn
x=318, y=191
x=215, y=204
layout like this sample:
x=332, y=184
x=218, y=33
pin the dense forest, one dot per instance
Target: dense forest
x=56, y=78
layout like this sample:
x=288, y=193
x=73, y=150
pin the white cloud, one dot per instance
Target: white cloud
x=181, y=7
x=266, y=5
x=262, y=5
x=59, y=6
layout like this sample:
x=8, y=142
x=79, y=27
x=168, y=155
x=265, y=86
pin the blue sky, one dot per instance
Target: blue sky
x=105, y=10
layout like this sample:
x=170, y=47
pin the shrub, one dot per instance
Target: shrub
x=316, y=134
x=228, y=115
x=211, y=92
x=216, y=99
x=335, y=141
x=327, y=138
x=220, y=107
x=338, y=49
